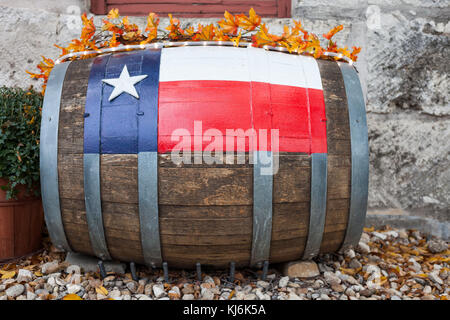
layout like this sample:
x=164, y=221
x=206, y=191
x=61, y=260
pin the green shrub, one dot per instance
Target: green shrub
x=20, y=119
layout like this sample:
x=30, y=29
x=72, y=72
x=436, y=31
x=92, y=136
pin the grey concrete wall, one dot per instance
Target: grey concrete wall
x=404, y=68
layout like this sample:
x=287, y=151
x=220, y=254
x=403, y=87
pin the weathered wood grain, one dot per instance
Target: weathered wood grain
x=70, y=150
x=339, y=156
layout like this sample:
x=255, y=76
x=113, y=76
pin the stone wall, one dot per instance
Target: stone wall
x=404, y=68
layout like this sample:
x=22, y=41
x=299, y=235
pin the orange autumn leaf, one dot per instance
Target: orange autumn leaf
x=230, y=24
x=109, y=26
x=264, y=38
x=219, y=35
x=113, y=42
x=175, y=32
x=129, y=27
x=290, y=35
x=251, y=22
x=189, y=31
x=72, y=296
x=355, y=52
x=88, y=30
x=205, y=33
x=333, y=31
x=313, y=46
x=152, y=22
x=64, y=50
x=344, y=51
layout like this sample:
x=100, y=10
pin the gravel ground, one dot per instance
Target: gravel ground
x=388, y=264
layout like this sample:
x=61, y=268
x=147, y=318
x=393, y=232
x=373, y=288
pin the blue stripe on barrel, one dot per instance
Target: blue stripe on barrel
x=148, y=105
x=92, y=109
x=112, y=127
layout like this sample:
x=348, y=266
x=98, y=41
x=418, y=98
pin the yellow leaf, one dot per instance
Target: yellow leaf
x=113, y=14
x=231, y=295
x=72, y=296
x=236, y=40
x=369, y=229
x=38, y=274
x=102, y=290
x=7, y=274
x=350, y=272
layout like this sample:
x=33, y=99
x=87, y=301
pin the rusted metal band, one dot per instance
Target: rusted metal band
x=318, y=207
x=360, y=156
x=49, y=156
x=262, y=206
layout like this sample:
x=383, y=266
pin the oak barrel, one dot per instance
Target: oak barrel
x=113, y=187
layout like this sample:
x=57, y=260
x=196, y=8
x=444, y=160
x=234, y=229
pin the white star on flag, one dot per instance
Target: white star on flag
x=124, y=83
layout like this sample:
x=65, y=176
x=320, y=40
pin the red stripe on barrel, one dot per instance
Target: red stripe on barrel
x=298, y=113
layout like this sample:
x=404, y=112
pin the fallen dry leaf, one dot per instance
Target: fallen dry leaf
x=7, y=274
x=72, y=296
x=101, y=290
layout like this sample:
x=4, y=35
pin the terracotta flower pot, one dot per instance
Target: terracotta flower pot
x=21, y=222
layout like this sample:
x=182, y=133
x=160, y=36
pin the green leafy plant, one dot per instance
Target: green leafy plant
x=20, y=119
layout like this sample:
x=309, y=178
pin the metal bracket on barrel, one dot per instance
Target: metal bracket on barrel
x=49, y=157
x=360, y=156
x=318, y=207
x=94, y=216
x=262, y=207
x=148, y=207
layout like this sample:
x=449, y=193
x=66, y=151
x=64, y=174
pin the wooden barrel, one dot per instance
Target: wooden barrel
x=284, y=172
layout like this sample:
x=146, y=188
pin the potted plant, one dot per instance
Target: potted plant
x=21, y=213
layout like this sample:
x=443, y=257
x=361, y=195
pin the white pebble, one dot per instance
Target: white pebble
x=73, y=288
x=350, y=253
x=262, y=284
x=15, y=291
x=379, y=235
x=283, y=282
x=24, y=276
x=73, y=269
x=363, y=248
x=158, y=291
x=434, y=276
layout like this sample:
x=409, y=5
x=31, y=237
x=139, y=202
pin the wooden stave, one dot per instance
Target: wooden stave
x=70, y=168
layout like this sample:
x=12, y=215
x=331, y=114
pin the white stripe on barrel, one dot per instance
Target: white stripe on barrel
x=238, y=64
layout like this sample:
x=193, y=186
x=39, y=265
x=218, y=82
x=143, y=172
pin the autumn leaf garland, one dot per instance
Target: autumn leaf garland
x=234, y=28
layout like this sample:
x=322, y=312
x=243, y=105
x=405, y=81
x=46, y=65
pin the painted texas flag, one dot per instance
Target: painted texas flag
x=223, y=88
